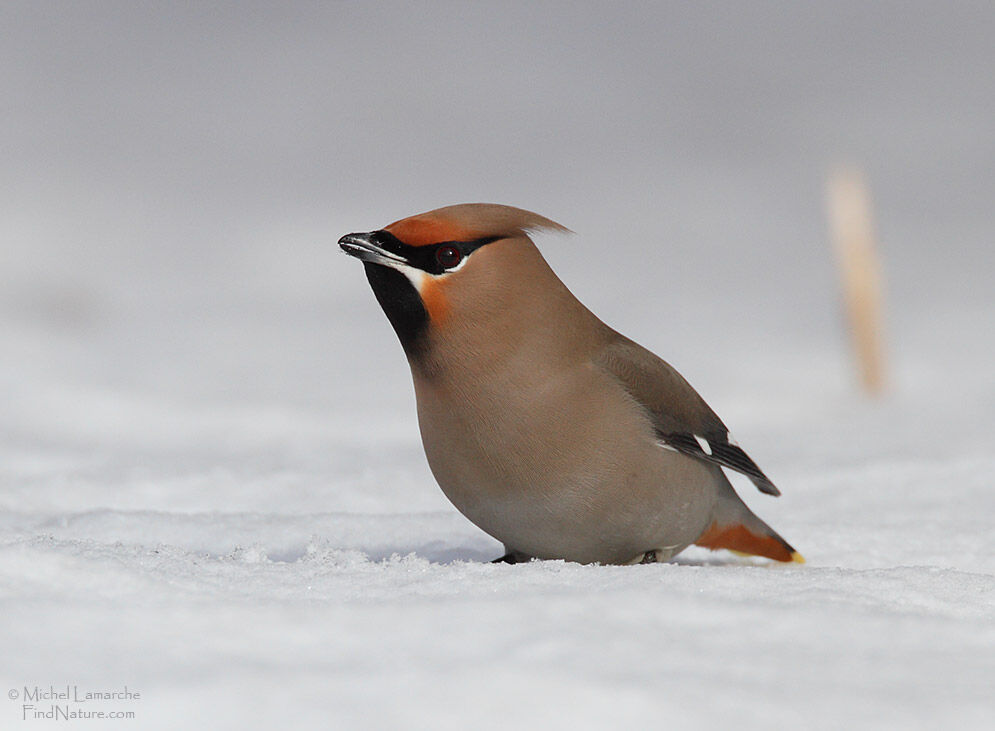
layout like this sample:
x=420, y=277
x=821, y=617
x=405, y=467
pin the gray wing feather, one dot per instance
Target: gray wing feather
x=682, y=419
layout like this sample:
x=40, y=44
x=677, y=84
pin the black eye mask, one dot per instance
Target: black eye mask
x=432, y=258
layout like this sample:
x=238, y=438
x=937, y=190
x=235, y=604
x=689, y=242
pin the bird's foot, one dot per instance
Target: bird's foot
x=658, y=555
x=513, y=557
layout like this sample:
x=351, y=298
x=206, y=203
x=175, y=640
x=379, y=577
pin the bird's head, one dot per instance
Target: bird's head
x=449, y=266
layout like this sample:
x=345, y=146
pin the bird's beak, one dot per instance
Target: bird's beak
x=362, y=247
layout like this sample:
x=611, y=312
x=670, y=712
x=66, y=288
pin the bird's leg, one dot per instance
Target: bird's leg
x=512, y=556
x=658, y=555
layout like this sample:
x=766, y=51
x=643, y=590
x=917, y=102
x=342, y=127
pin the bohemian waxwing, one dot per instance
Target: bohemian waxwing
x=549, y=430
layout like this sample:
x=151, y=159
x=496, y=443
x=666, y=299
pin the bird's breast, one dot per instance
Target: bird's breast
x=563, y=463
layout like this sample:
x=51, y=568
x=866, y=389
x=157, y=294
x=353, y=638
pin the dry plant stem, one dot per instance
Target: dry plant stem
x=852, y=233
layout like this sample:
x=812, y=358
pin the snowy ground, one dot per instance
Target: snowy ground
x=211, y=486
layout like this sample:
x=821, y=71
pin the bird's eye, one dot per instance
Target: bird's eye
x=448, y=257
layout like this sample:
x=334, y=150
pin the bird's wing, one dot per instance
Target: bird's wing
x=682, y=419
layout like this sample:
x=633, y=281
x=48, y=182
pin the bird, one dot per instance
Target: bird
x=546, y=428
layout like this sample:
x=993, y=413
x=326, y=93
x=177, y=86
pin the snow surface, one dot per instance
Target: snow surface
x=211, y=485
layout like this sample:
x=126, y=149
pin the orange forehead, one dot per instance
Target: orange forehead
x=424, y=230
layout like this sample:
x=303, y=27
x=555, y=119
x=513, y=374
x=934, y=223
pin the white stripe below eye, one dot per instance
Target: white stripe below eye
x=703, y=443
x=414, y=275
x=462, y=263
x=417, y=276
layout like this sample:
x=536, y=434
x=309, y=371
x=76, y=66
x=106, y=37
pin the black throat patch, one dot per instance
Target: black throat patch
x=402, y=304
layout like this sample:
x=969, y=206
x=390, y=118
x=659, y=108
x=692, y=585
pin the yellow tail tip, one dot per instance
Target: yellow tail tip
x=797, y=557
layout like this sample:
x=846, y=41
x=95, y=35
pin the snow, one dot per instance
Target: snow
x=211, y=485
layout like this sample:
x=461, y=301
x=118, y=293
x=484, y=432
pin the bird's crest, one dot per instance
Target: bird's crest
x=467, y=222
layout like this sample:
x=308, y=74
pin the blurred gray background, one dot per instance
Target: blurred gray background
x=176, y=176
x=212, y=487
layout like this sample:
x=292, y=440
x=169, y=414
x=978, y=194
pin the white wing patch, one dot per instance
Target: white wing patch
x=722, y=451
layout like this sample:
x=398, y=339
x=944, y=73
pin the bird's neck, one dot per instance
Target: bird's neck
x=525, y=324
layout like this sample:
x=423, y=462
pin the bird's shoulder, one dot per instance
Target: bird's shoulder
x=657, y=386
